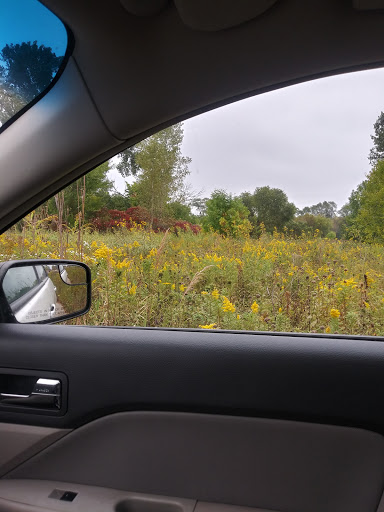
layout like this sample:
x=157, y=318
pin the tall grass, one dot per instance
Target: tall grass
x=275, y=283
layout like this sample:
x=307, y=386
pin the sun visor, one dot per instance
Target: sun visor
x=214, y=15
x=144, y=7
x=368, y=5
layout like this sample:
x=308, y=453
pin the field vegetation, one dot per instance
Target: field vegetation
x=274, y=283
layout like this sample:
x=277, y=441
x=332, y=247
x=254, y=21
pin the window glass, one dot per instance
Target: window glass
x=41, y=273
x=33, y=42
x=18, y=281
x=265, y=215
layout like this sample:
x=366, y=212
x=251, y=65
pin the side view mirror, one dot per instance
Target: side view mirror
x=43, y=291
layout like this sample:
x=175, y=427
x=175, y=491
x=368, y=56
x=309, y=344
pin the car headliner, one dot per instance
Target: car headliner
x=130, y=75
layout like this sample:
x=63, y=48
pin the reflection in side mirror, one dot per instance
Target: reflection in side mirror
x=73, y=274
x=44, y=291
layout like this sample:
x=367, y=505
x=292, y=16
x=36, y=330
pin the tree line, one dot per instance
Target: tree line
x=158, y=161
x=156, y=172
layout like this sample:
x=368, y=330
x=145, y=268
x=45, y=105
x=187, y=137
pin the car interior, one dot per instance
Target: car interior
x=131, y=419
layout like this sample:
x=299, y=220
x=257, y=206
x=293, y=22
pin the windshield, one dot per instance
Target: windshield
x=33, y=42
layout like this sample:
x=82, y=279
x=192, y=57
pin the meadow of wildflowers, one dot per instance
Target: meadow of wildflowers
x=274, y=283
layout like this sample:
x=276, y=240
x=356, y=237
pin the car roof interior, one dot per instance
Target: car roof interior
x=135, y=69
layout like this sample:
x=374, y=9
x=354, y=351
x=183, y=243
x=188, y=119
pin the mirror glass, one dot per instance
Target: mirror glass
x=72, y=274
x=37, y=293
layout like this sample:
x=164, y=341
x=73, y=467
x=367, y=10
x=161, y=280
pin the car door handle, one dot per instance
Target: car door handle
x=46, y=394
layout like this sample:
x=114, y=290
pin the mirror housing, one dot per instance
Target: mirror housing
x=43, y=291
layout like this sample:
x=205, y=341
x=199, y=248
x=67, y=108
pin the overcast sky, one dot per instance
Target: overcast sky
x=312, y=140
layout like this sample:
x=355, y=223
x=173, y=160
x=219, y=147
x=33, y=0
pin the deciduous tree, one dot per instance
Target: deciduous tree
x=161, y=170
x=377, y=152
x=97, y=188
x=26, y=69
x=369, y=220
x=226, y=214
x=323, y=209
x=269, y=206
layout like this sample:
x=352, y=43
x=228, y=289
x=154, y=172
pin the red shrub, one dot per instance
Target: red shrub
x=183, y=225
x=105, y=220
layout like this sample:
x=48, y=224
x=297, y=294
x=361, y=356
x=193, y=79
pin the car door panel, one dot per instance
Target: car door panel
x=20, y=442
x=306, y=378
x=280, y=422
x=19, y=494
x=271, y=464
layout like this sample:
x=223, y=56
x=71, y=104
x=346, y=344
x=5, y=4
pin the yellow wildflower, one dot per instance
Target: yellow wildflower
x=369, y=279
x=216, y=294
x=123, y=264
x=255, y=307
x=280, y=310
x=335, y=313
x=209, y=326
x=228, y=306
x=328, y=330
x=103, y=252
x=204, y=293
x=152, y=253
x=132, y=289
x=366, y=304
